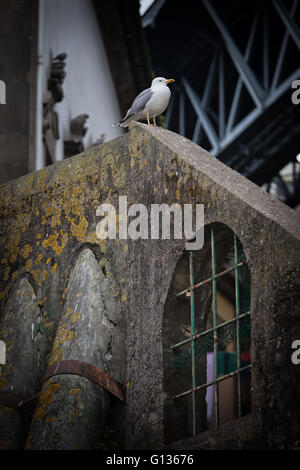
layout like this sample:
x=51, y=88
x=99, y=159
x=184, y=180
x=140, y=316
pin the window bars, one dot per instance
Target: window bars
x=215, y=330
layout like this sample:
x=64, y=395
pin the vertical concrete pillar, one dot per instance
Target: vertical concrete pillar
x=21, y=376
x=72, y=409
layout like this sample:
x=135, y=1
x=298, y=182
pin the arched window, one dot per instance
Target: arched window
x=208, y=363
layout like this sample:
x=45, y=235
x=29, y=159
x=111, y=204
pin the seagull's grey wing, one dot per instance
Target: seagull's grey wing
x=140, y=102
x=137, y=106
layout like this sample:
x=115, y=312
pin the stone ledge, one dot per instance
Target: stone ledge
x=237, y=434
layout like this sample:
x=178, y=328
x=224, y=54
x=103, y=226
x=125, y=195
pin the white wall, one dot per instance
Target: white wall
x=71, y=26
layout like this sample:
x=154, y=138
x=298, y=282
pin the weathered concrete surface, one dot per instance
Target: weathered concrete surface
x=235, y=435
x=49, y=217
x=20, y=329
x=71, y=414
x=177, y=170
x=88, y=331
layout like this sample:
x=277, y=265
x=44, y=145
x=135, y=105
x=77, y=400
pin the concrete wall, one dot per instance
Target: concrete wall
x=16, y=30
x=121, y=321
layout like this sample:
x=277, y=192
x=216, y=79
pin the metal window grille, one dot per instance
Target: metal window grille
x=215, y=331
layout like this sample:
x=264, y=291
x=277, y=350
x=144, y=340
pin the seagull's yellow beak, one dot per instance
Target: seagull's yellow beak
x=170, y=80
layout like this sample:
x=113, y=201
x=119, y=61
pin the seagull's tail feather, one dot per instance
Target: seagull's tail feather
x=121, y=122
x=124, y=122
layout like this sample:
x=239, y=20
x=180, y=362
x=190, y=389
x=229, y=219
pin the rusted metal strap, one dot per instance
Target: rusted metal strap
x=98, y=376
x=14, y=400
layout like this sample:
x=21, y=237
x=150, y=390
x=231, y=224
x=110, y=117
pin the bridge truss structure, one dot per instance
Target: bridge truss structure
x=234, y=64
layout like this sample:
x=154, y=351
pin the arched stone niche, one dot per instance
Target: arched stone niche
x=178, y=416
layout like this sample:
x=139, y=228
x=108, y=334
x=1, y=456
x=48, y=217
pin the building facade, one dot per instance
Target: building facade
x=132, y=333
x=63, y=89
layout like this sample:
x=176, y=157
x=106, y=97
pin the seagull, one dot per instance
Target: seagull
x=149, y=103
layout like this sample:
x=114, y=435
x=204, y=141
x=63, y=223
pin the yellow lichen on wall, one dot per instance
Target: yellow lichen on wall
x=55, y=219
x=53, y=268
x=56, y=356
x=25, y=250
x=52, y=241
x=38, y=259
x=29, y=264
x=79, y=230
x=52, y=210
x=75, y=317
x=48, y=392
x=6, y=274
x=63, y=335
x=46, y=397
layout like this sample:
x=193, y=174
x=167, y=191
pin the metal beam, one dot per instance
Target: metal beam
x=182, y=114
x=284, y=86
x=266, y=49
x=221, y=96
x=253, y=115
x=288, y=21
x=170, y=109
x=238, y=89
x=201, y=113
x=251, y=82
x=206, y=96
x=152, y=12
x=296, y=177
x=197, y=131
x=282, y=186
x=282, y=51
x=211, y=121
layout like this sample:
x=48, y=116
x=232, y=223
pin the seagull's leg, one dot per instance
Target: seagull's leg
x=148, y=119
x=154, y=122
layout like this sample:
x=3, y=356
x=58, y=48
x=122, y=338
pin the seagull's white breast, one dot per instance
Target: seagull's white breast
x=158, y=101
